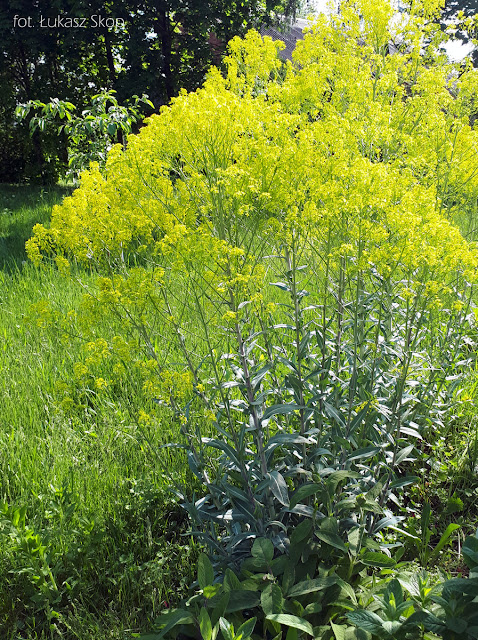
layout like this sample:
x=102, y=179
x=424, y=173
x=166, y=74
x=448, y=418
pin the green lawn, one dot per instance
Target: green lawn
x=90, y=479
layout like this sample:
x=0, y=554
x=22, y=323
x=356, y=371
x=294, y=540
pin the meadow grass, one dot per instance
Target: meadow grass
x=90, y=479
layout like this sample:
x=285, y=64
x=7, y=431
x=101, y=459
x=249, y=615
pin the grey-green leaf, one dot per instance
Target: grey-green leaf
x=338, y=476
x=280, y=409
x=403, y=454
x=363, y=454
x=305, y=491
x=332, y=412
x=279, y=488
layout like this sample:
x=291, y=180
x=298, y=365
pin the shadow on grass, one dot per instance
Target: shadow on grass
x=21, y=207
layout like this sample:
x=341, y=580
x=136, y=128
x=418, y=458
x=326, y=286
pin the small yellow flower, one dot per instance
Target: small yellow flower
x=80, y=370
x=229, y=317
x=63, y=265
x=101, y=383
x=143, y=417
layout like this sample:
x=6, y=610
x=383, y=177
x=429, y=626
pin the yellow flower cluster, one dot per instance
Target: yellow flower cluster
x=42, y=315
x=354, y=160
x=169, y=386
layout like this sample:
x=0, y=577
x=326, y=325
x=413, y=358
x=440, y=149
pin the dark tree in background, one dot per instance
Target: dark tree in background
x=41, y=63
x=157, y=48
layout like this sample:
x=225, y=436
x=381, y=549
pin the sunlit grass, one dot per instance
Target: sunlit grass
x=91, y=479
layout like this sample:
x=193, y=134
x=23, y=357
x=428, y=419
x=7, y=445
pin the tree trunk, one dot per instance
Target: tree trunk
x=163, y=31
x=109, y=58
x=23, y=70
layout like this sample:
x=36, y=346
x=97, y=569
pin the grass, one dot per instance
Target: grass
x=20, y=209
x=90, y=479
x=85, y=480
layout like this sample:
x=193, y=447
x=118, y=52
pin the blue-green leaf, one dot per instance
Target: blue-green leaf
x=338, y=476
x=303, y=492
x=279, y=487
x=223, y=446
x=363, y=454
x=280, y=409
x=280, y=285
x=332, y=412
x=403, y=454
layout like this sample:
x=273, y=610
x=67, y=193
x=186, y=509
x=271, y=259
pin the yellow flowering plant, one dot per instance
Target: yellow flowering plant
x=288, y=244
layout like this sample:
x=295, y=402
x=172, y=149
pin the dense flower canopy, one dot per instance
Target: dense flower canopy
x=375, y=149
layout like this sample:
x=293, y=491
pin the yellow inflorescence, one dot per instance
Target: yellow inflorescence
x=362, y=159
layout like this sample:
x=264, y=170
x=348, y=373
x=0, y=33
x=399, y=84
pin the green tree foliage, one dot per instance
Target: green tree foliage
x=39, y=63
x=91, y=134
x=169, y=45
x=148, y=47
